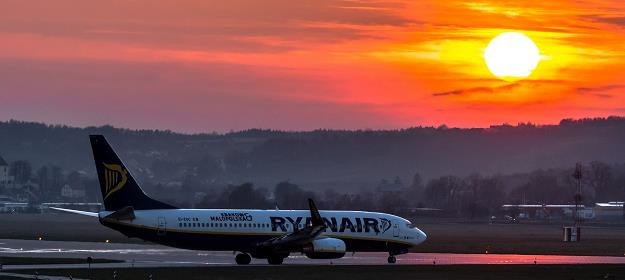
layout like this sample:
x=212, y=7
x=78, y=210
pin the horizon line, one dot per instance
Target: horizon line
x=216, y=133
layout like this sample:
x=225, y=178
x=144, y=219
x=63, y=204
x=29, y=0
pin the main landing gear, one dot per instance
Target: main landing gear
x=275, y=260
x=243, y=258
x=392, y=259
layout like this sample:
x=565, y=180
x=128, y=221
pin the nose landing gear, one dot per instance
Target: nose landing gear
x=243, y=258
x=392, y=259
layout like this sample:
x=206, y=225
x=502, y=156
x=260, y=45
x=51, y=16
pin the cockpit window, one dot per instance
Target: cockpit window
x=409, y=225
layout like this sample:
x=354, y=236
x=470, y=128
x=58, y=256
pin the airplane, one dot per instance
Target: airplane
x=262, y=234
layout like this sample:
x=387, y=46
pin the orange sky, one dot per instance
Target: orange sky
x=202, y=66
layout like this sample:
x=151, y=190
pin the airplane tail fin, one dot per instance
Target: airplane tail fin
x=119, y=188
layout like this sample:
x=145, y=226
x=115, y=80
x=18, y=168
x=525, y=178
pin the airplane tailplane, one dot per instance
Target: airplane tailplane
x=119, y=188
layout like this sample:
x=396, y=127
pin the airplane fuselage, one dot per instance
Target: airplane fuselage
x=242, y=230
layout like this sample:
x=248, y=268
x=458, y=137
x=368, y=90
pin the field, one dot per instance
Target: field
x=467, y=272
x=443, y=237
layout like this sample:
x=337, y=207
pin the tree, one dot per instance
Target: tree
x=244, y=196
x=21, y=171
x=414, y=192
x=599, y=178
x=443, y=192
x=391, y=202
x=291, y=196
x=543, y=188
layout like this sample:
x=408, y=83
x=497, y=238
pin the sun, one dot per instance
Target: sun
x=511, y=56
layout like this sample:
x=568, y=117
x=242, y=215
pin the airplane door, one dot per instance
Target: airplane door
x=161, y=226
x=395, y=230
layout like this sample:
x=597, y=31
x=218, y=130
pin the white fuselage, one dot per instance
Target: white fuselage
x=354, y=227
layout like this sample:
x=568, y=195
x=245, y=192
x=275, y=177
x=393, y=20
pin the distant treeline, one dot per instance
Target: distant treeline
x=345, y=162
x=470, y=197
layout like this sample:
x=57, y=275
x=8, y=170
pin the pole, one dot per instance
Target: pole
x=578, y=195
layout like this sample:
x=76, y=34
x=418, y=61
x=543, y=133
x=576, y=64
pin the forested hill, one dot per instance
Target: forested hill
x=349, y=159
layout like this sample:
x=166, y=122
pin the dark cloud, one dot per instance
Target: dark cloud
x=478, y=90
x=608, y=19
x=599, y=91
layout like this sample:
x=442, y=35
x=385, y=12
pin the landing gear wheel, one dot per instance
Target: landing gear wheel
x=243, y=258
x=391, y=259
x=275, y=260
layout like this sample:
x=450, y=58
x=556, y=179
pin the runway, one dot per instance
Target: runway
x=151, y=255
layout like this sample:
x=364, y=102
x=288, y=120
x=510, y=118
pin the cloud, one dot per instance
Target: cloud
x=203, y=24
x=600, y=91
x=615, y=20
x=481, y=90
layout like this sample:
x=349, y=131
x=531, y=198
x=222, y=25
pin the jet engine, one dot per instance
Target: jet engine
x=325, y=248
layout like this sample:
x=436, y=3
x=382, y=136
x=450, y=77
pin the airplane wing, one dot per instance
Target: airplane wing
x=85, y=213
x=302, y=236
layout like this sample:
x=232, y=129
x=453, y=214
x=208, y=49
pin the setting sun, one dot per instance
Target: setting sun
x=511, y=56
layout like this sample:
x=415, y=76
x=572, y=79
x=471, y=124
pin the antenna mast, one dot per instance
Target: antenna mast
x=578, y=194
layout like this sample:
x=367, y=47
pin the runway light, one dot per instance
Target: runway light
x=39, y=238
x=107, y=241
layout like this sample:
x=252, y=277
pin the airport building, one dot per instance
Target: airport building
x=70, y=192
x=610, y=210
x=600, y=211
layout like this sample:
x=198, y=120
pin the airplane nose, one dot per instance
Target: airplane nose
x=421, y=236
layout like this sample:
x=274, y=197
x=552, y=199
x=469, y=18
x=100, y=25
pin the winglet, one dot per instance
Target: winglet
x=315, y=217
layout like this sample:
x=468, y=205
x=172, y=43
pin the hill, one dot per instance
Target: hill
x=322, y=158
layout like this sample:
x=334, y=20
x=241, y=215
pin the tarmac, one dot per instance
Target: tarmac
x=153, y=255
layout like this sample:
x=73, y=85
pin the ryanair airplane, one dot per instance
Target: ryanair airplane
x=263, y=234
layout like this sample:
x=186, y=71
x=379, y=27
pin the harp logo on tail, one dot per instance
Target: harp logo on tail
x=115, y=177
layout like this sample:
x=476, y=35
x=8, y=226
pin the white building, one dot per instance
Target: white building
x=609, y=210
x=69, y=192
